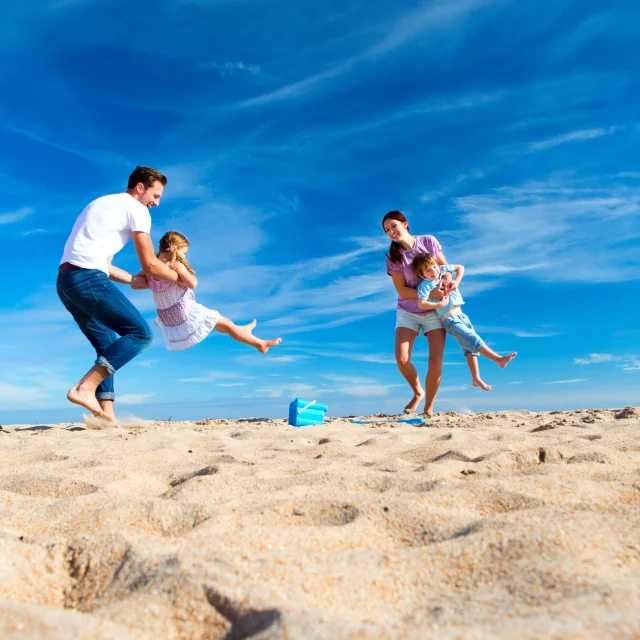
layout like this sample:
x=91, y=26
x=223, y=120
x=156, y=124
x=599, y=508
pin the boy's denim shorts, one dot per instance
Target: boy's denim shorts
x=419, y=324
x=462, y=330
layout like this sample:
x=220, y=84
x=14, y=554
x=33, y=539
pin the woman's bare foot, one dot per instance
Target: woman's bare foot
x=415, y=401
x=505, y=360
x=87, y=399
x=265, y=345
x=481, y=384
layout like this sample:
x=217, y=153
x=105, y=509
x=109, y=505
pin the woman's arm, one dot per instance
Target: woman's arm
x=401, y=286
x=459, y=271
x=186, y=279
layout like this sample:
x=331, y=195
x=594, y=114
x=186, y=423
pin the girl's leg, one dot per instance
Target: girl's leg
x=404, y=346
x=244, y=334
x=436, y=338
x=501, y=361
x=472, y=363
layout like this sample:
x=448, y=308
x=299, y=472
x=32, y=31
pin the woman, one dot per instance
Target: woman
x=410, y=320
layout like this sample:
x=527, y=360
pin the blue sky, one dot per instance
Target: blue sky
x=507, y=129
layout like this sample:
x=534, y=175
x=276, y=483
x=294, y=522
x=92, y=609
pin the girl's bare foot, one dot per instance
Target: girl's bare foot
x=481, y=384
x=251, y=326
x=87, y=399
x=505, y=360
x=265, y=345
x=415, y=401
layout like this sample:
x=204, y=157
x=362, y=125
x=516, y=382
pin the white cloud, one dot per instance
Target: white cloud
x=596, y=358
x=15, y=216
x=573, y=136
x=631, y=365
x=135, y=398
x=573, y=381
x=229, y=68
x=437, y=16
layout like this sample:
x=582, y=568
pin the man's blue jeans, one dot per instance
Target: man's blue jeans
x=111, y=323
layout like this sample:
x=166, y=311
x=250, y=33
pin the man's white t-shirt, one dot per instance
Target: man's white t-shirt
x=103, y=228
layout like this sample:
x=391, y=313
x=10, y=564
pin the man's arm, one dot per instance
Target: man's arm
x=119, y=275
x=148, y=261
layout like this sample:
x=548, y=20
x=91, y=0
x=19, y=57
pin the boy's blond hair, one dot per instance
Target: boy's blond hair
x=421, y=261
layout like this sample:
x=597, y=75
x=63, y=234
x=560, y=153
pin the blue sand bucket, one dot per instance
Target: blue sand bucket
x=304, y=413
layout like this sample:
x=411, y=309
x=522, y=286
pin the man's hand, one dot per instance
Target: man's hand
x=139, y=282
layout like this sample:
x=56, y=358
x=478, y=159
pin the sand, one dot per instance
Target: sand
x=493, y=525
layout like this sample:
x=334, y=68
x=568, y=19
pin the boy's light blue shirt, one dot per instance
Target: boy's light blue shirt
x=427, y=286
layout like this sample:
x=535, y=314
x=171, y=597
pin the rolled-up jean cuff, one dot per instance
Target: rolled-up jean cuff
x=105, y=395
x=103, y=362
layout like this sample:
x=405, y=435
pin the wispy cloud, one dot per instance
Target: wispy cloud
x=135, y=398
x=597, y=358
x=15, y=216
x=572, y=136
x=573, y=381
x=226, y=69
x=435, y=17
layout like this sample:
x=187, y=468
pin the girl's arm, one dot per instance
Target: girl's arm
x=425, y=305
x=401, y=286
x=186, y=279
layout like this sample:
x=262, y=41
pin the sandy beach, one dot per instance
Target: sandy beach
x=493, y=525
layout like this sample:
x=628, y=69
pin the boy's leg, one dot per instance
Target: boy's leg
x=244, y=334
x=474, y=369
x=501, y=361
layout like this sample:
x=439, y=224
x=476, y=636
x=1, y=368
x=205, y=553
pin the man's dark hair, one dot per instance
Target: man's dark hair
x=147, y=176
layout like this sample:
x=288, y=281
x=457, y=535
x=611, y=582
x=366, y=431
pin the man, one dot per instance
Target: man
x=115, y=328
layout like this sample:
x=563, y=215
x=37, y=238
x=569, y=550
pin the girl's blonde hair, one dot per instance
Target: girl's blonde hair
x=171, y=242
x=421, y=261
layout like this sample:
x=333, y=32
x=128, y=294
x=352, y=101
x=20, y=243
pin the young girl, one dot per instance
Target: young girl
x=454, y=321
x=181, y=319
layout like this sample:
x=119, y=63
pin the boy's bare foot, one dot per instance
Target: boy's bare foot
x=86, y=399
x=505, y=360
x=415, y=401
x=481, y=384
x=265, y=345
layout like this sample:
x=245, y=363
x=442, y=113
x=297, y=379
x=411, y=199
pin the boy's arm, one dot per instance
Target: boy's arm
x=425, y=305
x=458, y=269
x=445, y=281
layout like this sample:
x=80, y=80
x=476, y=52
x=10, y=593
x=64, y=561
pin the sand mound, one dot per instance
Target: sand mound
x=495, y=525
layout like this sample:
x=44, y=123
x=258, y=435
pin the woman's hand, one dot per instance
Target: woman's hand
x=452, y=286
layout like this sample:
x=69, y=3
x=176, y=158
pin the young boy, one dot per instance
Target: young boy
x=454, y=321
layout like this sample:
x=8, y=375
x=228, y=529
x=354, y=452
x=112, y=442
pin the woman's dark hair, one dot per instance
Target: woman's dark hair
x=394, y=249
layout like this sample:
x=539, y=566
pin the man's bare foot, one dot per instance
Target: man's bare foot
x=265, y=345
x=86, y=399
x=98, y=422
x=107, y=409
x=481, y=384
x=415, y=401
x=505, y=360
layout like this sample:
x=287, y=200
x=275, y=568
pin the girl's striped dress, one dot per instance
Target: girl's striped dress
x=181, y=319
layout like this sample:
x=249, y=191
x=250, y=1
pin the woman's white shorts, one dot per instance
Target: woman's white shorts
x=419, y=324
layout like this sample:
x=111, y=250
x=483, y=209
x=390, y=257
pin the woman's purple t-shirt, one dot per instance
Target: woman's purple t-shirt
x=423, y=244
